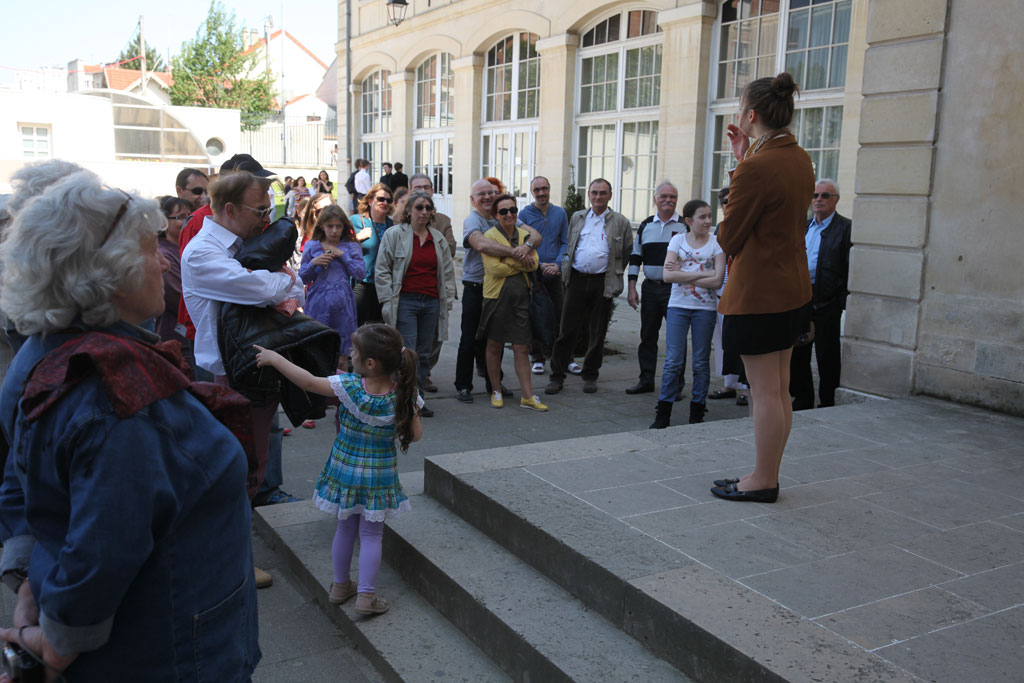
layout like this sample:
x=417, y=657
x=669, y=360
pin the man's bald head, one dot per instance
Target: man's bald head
x=481, y=196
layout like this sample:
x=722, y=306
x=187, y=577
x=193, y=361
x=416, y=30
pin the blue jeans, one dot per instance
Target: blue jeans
x=678, y=321
x=417, y=323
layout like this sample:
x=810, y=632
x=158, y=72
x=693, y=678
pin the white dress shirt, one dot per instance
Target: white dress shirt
x=210, y=275
x=362, y=181
x=591, y=255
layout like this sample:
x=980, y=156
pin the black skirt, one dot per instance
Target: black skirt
x=757, y=333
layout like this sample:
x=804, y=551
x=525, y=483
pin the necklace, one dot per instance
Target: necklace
x=770, y=135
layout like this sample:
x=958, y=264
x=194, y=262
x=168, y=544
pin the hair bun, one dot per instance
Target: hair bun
x=783, y=85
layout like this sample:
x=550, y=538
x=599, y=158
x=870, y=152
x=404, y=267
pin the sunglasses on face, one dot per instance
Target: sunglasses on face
x=423, y=207
x=824, y=195
x=197, y=190
x=178, y=218
x=383, y=200
x=510, y=210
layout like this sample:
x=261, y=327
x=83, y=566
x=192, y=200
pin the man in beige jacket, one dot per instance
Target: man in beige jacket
x=600, y=241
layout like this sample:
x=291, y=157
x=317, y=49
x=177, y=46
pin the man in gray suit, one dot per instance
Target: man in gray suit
x=600, y=241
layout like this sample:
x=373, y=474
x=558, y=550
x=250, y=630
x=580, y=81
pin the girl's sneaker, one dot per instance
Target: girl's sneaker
x=533, y=403
x=368, y=603
x=340, y=592
x=575, y=368
x=496, y=400
x=538, y=368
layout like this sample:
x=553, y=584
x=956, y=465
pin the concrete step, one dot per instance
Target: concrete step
x=412, y=643
x=686, y=613
x=531, y=627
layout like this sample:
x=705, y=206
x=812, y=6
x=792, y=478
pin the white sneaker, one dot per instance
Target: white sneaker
x=575, y=368
x=538, y=368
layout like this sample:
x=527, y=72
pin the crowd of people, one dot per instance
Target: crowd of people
x=114, y=302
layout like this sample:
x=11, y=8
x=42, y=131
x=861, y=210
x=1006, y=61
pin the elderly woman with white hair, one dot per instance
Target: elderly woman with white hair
x=123, y=509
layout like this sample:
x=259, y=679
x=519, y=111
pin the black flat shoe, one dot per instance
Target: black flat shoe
x=729, y=492
x=742, y=400
x=725, y=482
x=722, y=393
x=640, y=388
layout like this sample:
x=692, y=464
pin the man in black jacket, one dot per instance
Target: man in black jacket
x=828, y=258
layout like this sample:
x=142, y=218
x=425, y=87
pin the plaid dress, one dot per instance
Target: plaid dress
x=361, y=476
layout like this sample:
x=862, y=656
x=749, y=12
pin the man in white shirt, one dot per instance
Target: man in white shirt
x=600, y=241
x=210, y=276
x=363, y=180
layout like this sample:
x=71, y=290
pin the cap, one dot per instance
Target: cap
x=245, y=162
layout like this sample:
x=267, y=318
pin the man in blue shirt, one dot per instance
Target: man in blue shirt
x=828, y=259
x=552, y=223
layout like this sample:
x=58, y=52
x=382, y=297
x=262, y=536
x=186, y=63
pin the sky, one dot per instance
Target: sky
x=97, y=31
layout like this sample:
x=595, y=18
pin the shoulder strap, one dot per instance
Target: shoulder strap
x=640, y=230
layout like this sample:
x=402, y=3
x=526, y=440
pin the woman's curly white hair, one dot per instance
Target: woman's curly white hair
x=59, y=264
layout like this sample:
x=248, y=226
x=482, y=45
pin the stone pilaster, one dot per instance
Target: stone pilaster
x=556, y=125
x=897, y=136
x=403, y=95
x=686, y=60
x=468, y=72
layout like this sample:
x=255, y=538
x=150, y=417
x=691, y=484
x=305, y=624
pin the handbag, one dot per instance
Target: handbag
x=542, y=312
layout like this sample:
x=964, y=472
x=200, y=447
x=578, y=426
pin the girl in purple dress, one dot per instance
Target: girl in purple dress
x=329, y=261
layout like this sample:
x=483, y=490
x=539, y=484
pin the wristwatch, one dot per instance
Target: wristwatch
x=528, y=245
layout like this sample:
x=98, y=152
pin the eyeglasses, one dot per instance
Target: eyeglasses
x=196, y=190
x=824, y=195
x=262, y=213
x=510, y=210
x=182, y=217
x=489, y=193
x=117, y=218
x=423, y=207
x=383, y=200
x=662, y=197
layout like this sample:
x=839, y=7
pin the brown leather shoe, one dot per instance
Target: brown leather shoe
x=590, y=386
x=368, y=603
x=263, y=579
x=340, y=592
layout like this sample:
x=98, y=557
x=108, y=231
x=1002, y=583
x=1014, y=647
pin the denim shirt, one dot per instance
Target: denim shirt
x=134, y=532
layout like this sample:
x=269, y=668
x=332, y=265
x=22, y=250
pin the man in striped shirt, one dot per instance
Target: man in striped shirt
x=649, y=250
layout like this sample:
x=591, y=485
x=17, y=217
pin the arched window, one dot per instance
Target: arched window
x=758, y=38
x=433, y=138
x=618, y=101
x=513, y=79
x=435, y=92
x=511, y=107
x=376, y=129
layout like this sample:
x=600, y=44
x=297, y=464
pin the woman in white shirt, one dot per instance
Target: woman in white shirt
x=695, y=265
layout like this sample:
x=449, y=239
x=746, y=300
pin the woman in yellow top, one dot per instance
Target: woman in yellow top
x=506, y=311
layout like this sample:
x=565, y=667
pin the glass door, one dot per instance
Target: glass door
x=432, y=156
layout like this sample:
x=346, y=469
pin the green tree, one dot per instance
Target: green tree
x=212, y=71
x=153, y=60
x=573, y=199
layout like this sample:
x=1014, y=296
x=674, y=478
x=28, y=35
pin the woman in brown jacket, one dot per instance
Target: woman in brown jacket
x=765, y=300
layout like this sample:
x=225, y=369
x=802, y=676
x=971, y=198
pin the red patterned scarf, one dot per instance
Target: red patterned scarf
x=135, y=374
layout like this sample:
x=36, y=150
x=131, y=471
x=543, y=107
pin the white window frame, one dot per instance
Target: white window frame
x=438, y=88
x=36, y=139
x=514, y=91
x=432, y=166
x=527, y=159
x=379, y=96
x=620, y=115
x=807, y=99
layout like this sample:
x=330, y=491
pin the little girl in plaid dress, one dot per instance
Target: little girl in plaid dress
x=359, y=483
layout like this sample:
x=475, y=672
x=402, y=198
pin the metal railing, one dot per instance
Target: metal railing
x=293, y=144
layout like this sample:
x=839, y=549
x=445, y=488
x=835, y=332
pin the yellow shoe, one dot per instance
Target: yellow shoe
x=496, y=400
x=533, y=403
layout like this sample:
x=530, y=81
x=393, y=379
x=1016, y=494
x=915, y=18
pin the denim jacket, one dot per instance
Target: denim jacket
x=134, y=532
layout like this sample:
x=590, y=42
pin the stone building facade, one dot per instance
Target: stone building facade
x=905, y=103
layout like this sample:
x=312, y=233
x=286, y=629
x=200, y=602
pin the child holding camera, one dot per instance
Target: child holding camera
x=359, y=483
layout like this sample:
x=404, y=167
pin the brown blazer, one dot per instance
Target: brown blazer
x=763, y=230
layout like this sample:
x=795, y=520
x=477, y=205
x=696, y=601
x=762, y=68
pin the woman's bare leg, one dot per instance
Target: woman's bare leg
x=493, y=356
x=771, y=424
x=521, y=354
x=787, y=403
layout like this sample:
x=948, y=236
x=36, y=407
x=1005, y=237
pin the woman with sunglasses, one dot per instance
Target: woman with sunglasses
x=371, y=222
x=177, y=211
x=506, y=311
x=415, y=281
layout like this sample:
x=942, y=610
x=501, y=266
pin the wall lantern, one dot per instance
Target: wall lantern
x=397, y=10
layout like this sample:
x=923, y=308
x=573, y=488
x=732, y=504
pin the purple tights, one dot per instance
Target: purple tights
x=370, y=535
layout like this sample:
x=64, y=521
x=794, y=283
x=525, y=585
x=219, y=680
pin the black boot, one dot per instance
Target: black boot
x=697, y=411
x=662, y=416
